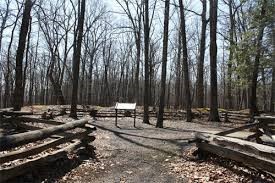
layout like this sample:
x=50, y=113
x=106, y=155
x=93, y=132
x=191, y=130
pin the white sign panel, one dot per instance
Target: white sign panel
x=125, y=106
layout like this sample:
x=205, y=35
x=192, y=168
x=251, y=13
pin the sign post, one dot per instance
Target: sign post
x=126, y=106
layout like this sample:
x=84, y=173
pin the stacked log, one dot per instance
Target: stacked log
x=249, y=153
x=80, y=139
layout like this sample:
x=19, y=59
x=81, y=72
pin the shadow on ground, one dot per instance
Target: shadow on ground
x=180, y=142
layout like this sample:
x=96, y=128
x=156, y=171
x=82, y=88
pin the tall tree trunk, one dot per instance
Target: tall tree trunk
x=185, y=65
x=272, y=97
x=146, y=60
x=55, y=83
x=169, y=91
x=253, y=95
x=214, y=114
x=200, y=87
x=151, y=75
x=18, y=94
x=178, y=73
x=138, y=47
x=32, y=72
x=64, y=60
x=206, y=93
x=164, y=65
x=81, y=88
x=1, y=90
x=264, y=90
x=223, y=97
x=230, y=60
x=27, y=60
x=90, y=77
x=76, y=60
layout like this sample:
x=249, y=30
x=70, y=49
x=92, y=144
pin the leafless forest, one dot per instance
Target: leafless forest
x=172, y=54
x=197, y=76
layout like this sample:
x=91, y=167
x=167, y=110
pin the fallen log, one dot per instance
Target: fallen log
x=7, y=142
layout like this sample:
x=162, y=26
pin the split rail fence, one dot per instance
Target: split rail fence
x=257, y=149
x=23, y=152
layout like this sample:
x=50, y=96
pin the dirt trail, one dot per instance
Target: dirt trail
x=141, y=154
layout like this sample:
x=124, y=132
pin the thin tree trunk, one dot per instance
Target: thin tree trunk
x=90, y=77
x=264, y=91
x=32, y=72
x=3, y=22
x=27, y=60
x=178, y=73
x=169, y=91
x=164, y=65
x=200, y=87
x=138, y=47
x=82, y=80
x=1, y=90
x=55, y=83
x=7, y=78
x=230, y=60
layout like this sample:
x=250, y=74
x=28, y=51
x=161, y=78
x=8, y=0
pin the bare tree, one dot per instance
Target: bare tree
x=8, y=67
x=76, y=59
x=18, y=93
x=185, y=64
x=4, y=17
x=214, y=114
x=178, y=71
x=230, y=60
x=164, y=65
x=272, y=97
x=200, y=74
x=146, y=61
x=136, y=26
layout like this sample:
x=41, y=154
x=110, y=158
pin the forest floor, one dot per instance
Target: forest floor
x=146, y=154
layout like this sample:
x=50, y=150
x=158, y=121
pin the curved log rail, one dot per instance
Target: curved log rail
x=10, y=141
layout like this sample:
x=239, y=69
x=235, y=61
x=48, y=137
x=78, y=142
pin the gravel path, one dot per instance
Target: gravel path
x=141, y=154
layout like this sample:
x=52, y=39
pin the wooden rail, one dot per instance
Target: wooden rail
x=174, y=114
x=76, y=140
x=260, y=155
x=10, y=141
